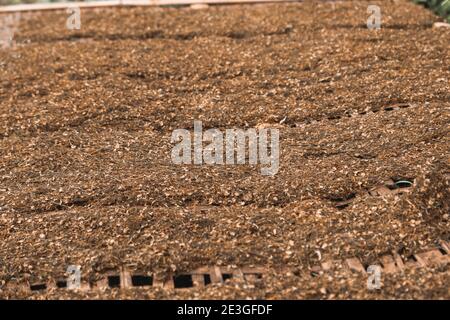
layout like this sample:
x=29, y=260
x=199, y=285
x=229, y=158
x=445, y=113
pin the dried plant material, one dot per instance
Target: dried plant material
x=85, y=144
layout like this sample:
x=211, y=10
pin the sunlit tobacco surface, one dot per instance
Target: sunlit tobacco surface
x=86, y=176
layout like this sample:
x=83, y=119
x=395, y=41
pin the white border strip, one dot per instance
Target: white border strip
x=114, y=3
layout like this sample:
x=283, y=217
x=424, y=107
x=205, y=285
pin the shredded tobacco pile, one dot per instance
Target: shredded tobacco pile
x=85, y=149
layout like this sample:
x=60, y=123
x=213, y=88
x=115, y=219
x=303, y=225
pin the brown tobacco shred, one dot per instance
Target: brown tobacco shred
x=87, y=116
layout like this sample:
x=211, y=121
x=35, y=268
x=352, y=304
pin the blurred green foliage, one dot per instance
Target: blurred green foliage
x=441, y=7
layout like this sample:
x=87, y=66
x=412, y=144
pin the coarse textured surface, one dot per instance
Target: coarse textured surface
x=87, y=116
